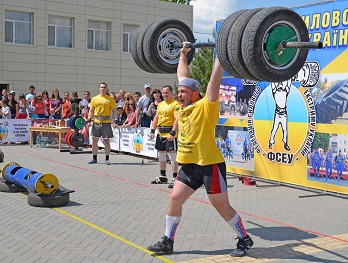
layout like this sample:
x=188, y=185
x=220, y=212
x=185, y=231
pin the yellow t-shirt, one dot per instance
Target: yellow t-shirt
x=196, y=140
x=166, y=111
x=103, y=106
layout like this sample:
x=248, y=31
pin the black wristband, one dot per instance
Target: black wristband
x=89, y=120
x=115, y=121
x=173, y=133
x=152, y=131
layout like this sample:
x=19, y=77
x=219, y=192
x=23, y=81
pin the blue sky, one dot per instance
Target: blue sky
x=207, y=12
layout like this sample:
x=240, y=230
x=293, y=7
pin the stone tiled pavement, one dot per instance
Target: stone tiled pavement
x=115, y=214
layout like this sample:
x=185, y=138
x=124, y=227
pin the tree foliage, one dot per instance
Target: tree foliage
x=202, y=66
x=321, y=140
x=185, y=2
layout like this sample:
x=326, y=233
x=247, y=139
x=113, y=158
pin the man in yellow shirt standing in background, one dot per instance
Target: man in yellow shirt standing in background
x=202, y=162
x=166, y=120
x=102, y=111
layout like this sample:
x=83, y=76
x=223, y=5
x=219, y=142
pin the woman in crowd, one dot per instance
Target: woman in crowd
x=67, y=111
x=130, y=111
x=39, y=105
x=127, y=97
x=22, y=107
x=12, y=103
x=46, y=100
x=56, y=105
x=84, y=103
x=156, y=98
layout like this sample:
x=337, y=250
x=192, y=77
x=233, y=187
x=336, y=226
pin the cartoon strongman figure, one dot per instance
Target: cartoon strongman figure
x=280, y=93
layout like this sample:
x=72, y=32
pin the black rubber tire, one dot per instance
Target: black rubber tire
x=154, y=34
x=134, y=50
x=253, y=44
x=333, y=103
x=55, y=200
x=222, y=41
x=8, y=187
x=140, y=50
x=234, y=44
x=2, y=156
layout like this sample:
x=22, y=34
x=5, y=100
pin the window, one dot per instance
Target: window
x=18, y=27
x=60, y=31
x=128, y=32
x=98, y=35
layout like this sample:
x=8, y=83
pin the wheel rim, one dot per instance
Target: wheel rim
x=165, y=41
x=275, y=34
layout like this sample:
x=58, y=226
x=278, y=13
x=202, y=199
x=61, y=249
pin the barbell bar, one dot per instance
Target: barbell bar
x=282, y=45
x=285, y=44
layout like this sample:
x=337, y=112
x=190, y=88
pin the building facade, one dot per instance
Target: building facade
x=73, y=45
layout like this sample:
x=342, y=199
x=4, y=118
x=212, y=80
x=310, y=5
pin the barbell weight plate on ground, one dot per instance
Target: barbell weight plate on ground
x=66, y=137
x=134, y=50
x=68, y=140
x=221, y=44
x=5, y=167
x=77, y=140
x=157, y=44
x=80, y=123
x=261, y=37
x=47, y=183
x=140, y=49
x=234, y=47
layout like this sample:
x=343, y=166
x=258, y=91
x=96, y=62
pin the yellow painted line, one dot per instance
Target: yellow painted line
x=113, y=235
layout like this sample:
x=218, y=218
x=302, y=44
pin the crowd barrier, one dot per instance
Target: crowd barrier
x=130, y=140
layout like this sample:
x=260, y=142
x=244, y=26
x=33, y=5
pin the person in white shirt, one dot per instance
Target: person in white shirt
x=5, y=110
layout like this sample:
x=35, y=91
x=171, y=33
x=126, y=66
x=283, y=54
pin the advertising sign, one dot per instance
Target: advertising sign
x=298, y=128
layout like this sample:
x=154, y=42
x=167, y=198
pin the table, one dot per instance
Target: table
x=49, y=129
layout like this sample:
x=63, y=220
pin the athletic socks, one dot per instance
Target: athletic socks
x=94, y=157
x=172, y=223
x=106, y=157
x=175, y=175
x=237, y=225
x=163, y=173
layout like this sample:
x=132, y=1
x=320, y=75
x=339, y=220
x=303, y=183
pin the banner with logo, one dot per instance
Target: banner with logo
x=137, y=141
x=132, y=140
x=14, y=130
x=298, y=129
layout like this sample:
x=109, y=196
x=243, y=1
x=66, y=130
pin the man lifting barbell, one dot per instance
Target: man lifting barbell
x=202, y=162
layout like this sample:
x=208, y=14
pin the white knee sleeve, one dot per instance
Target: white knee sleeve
x=172, y=157
x=162, y=156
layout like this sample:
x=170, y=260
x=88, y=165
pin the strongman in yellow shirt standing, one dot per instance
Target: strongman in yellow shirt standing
x=102, y=115
x=202, y=162
x=166, y=121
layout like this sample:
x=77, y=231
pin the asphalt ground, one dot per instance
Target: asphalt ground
x=115, y=213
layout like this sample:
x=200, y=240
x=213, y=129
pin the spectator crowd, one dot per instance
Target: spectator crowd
x=133, y=109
